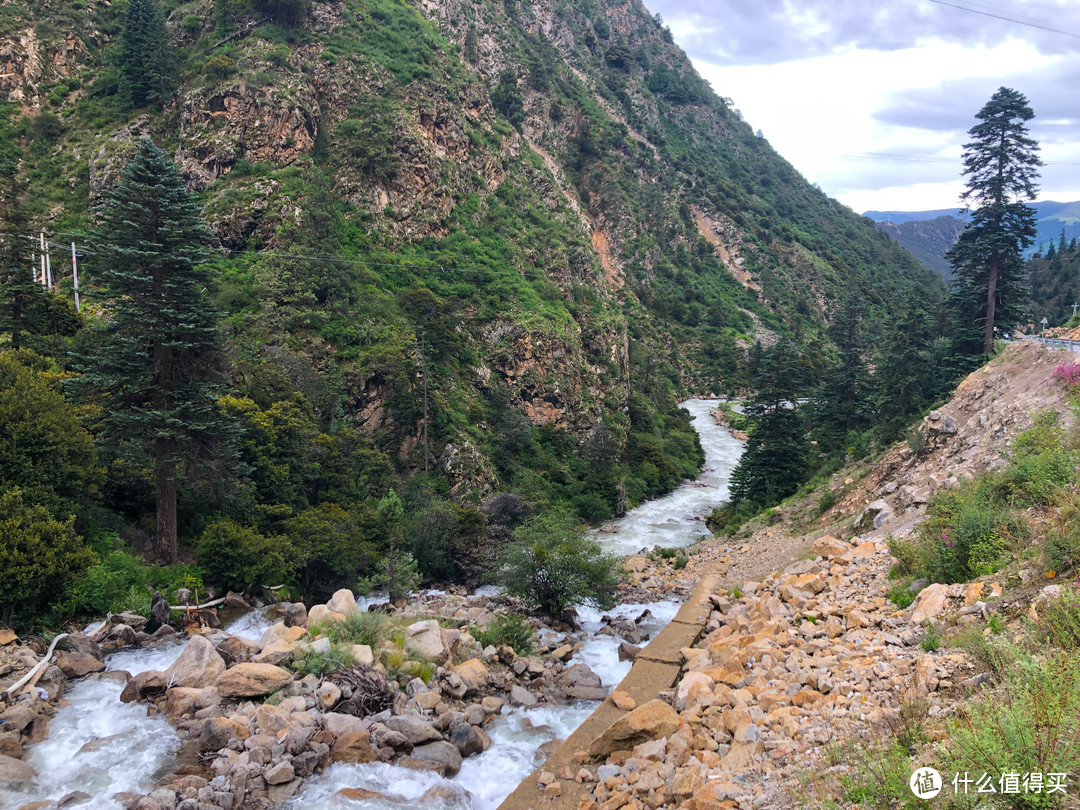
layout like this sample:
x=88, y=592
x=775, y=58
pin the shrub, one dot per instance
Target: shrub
x=322, y=664
x=1059, y=619
x=358, y=628
x=901, y=594
x=109, y=585
x=931, y=642
x=236, y=557
x=40, y=558
x=551, y=563
x=513, y=630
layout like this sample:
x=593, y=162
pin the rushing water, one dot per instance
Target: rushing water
x=678, y=519
x=101, y=746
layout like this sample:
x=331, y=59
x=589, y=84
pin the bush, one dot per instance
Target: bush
x=513, y=630
x=323, y=664
x=40, y=558
x=1059, y=620
x=1027, y=726
x=551, y=564
x=110, y=585
x=236, y=557
x=358, y=628
x=901, y=594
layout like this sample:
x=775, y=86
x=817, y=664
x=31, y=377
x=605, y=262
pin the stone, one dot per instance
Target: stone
x=234, y=649
x=416, y=731
x=217, y=731
x=253, y=680
x=973, y=592
x=362, y=655
x=929, y=603
x=76, y=797
x=353, y=747
x=563, y=653
x=693, y=685
x=650, y=721
x=473, y=673
x=276, y=653
x=862, y=551
x=441, y=753
x=17, y=717
x=15, y=774
x=184, y=701
x=361, y=795
x=280, y=632
x=492, y=704
x=77, y=642
x=520, y=696
x=271, y=720
x=159, y=613
x=343, y=602
x=327, y=696
x=828, y=546
x=78, y=664
x=465, y=738
x=279, y=774
x=427, y=639
x=199, y=665
x=627, y=651
x=320, y=615
x=7, y=637
x=623, y=701
x=294, y=614
x=874, y=516
x=337, y=724
x=941, y=422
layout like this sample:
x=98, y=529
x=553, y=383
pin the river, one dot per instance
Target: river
x=100, y=746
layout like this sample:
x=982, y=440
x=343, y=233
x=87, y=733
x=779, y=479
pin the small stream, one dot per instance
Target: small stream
x=101, y=746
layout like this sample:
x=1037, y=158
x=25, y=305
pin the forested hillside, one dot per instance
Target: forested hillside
x=463, y=258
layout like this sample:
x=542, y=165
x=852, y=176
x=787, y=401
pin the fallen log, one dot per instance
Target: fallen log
x=39, y=666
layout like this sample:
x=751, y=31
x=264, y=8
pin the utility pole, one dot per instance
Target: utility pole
x=48, y=266
x=75, y=277
x=44, y=277
x=1074, y=309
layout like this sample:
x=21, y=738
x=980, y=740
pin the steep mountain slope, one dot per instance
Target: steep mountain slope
x=430, y=212
x=927, y=239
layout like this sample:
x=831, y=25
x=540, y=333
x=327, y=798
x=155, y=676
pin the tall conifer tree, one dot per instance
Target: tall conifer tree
x=146, y=60
x=159, y=359
x=1001, y=164
x=18, y=290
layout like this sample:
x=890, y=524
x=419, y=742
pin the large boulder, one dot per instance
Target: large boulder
x=415, y=730
x=428, y=640
x=253, y=680
x=281, y=632
x=343, y=602
x=473, y=673
x=199, y=665
x=78, y=664
x=443, y=754
x=929, y=603
x=15, y=774
x=217, y=731
x=651, y=721
x=294, y=614
x=353, y=747
x=77, y=642
x=828, y=546
x=321, y=614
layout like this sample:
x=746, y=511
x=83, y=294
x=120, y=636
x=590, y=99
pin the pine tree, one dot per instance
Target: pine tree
x=158, y=361
x=842, y=403
x=903, y=362
x=18, y=289
x=146, y=60
x=1001, y=165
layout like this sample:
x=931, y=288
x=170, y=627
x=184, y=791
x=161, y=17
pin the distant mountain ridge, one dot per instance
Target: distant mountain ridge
x=929, y=242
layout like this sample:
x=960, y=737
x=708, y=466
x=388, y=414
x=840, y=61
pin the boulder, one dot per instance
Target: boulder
x=428, y=640
x=253, y=680
x=279, y=632
x=353, y=747
x=465, y=738
x=343, y=602
x=321, y=614
x=874, y=516
x=17, y=717
x=271, y=720
x=441, y=753
x=828, y=546
x=184, y=701
x=279, y=774
x=7, y=637
x=277, y=653
x=77, y=642
x=520, y=696
x=235, y=649
x=362, y=655
x=862, y=551
x=199, y=665
x=159, y=613
x=16, y=774
x=217, y=731
x=941, y=422
x=294, y=614
x=78, y=664
x=929, y=603
x=416, y=731
x=473, y=673
x=650, y=721
x=338, y=724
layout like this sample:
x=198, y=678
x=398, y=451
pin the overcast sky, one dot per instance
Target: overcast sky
x=835, y=83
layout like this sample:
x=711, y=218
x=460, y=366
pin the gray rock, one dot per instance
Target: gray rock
x=466, y=740
x=415, y=730
x=519, y=696
x=15, y=774
x=442, y=753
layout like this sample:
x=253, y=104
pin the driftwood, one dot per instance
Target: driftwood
x=39, y=666
x=213, y=603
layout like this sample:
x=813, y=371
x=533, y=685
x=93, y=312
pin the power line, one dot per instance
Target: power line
x=932, y=158
x=1007, y=19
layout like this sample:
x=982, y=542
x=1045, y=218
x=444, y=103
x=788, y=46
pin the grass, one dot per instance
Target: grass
x=512, y=630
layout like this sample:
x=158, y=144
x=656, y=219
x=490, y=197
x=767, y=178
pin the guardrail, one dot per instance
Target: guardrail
x=1056, y=343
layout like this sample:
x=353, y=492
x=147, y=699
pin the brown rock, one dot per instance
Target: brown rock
x=353, y=747
x=199, y=665
x=253, y=680
x=7, y=637
x=929, y=603
x=860, y=552
x=828, y=546
x=78, y=664
x=360, y=795
x=973, y=592
x=651, y=721
x=623, y=700
x=217, y=731
x=473, y=673
x=15, y=773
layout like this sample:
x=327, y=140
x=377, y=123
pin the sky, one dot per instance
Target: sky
x=872, y=99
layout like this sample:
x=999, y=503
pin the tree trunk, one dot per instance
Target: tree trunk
x=991, y=302
x=165, y=482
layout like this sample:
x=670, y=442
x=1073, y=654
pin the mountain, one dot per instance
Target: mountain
x=929, y=242
x=927, y=239
x=498, y=239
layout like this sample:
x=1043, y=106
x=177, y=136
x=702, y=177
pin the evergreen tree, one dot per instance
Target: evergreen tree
x=903, y=362
x=1001, y=165
x=774, y=461
x=842, y=403
x=146, y=60
x=159, y=357
x=18, y=288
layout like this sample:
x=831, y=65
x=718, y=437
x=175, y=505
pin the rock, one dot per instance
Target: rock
x=874, y=516
x=77, y=642
x=428, y=640
x=217, y=731
x=492, y=704
x=253, y=680
x=650, y=721
x=693, y=685
x=563, y=653
x=199, y=665
x=279, y=632
x=7, y=637
x=321, y=614
x=76, y=797
x=277, y=653
x=747, y=743
x=327, y=696
x=294, y=614
x=159, y=613
x=353, y=747
x=442, y=753
x=862, y=551
x=465, y=738
x=361, y=795
x=929, y=603
x=17, y=717
x=973, y=592
x=184, y=701
x=77, y=664
x=11, y=745
x=279, y=774
x=234, y=649
x=627, y=651
x=416, y=731
x=16, y=774
x=941, y=422
x=236, y=600
x=338, y=724
x=343, y=602
x=362, y=655
x=271, y=720
x=520, y=696
x=828, y=546
x=473, y=673
x=623, y=701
